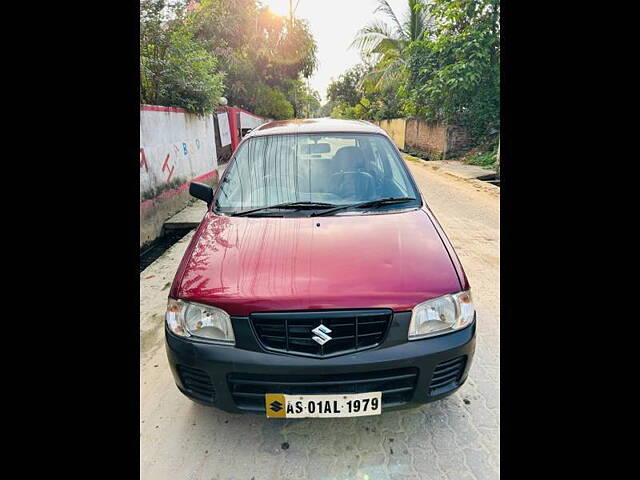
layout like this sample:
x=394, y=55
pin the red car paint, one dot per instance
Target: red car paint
x=245, y=265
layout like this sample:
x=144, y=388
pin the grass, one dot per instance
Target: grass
x=482, y=159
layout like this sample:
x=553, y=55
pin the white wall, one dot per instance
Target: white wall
x=175, y=147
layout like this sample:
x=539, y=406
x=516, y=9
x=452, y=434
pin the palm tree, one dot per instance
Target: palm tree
x=384, y=44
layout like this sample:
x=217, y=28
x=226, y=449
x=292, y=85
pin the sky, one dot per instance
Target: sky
x=334, y=24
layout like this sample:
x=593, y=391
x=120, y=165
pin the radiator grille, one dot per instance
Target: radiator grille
x=351, y=330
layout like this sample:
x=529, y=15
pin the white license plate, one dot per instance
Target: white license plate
x=280, y=405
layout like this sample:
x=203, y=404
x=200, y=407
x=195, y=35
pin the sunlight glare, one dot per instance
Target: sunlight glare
x=279, y=7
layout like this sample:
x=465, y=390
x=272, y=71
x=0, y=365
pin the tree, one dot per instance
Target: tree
x=271, y=102
x=454, y=77
x=385, y=44
x=353, y=96
x=326, y=109
x=175, y=70
x=259, y=51
x=441, y=64
x=305, y=100
x=347, y=88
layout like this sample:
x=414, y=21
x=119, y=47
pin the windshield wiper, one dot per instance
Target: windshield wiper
x=291, y=205
x=371, y=203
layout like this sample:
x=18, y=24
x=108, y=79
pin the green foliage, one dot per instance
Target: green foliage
x=271, y=102
x=483, y=159
x=259, y=52
x=187, y=52
x=441, y=64
x=304, y=100
x=454, y=77
x=347, y=89
x=384, y=44
x=326, y=109
x=175, y=69
x=343, y=111
x=353, y=95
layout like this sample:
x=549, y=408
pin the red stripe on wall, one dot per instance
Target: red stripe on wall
x=171, y=193
x=157, y=108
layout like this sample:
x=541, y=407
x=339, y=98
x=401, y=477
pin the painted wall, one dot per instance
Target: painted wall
x=433, y=140
x=395, y=127
x=176, y=148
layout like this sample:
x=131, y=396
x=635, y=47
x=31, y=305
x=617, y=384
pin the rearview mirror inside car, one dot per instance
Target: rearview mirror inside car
x=315, y=148
x=201, y=192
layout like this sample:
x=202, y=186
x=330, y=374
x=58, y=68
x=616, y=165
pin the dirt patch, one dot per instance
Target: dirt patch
x=150, y=339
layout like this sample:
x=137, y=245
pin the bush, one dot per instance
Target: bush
x=175, y=69
x=454, y=76
x=271, y=102
x=483, y=159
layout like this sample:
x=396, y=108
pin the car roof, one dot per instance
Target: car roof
x=315, y=125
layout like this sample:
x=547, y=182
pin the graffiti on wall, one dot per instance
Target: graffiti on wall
x=165, y=167
x=175, y=152
x=176, y=147
x=143, y=160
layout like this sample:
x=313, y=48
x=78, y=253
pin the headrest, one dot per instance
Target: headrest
x=348, y=158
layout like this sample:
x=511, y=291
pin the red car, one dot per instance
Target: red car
x=319, y=283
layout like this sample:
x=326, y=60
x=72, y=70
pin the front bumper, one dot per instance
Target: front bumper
x=225, y=376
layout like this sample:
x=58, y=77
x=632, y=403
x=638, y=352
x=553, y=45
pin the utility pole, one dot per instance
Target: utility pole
x=291, y=13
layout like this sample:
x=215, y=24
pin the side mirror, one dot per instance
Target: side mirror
x=201, y=192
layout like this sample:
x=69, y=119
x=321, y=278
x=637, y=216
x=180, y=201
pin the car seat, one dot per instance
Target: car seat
x=350, y=179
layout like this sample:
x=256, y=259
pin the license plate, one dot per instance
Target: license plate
x=280, y=405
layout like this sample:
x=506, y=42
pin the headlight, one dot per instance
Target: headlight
x=199, y=321
x=441, y=315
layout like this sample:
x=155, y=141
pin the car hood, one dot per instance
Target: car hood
x=245, y=264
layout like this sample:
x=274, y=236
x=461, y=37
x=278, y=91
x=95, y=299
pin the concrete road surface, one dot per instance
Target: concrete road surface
x=456, y=438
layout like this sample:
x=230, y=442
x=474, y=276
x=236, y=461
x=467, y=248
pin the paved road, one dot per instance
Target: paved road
x=456, y=438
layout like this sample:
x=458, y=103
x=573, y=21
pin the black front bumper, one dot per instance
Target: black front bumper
x=235, y=378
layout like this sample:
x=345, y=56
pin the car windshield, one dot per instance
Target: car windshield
x=314, y=171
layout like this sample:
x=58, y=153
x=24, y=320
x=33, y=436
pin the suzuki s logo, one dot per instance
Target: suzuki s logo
x=276, y=406
x=321, y=332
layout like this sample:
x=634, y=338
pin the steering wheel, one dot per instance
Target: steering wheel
x=340, y=189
